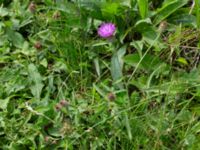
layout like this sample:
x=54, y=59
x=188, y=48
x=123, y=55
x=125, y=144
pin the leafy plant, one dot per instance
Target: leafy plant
x=64, y=86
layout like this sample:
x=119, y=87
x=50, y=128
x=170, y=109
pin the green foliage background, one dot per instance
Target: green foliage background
x=64, y=87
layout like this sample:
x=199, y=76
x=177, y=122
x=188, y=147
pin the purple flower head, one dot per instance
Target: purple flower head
x=106, y=30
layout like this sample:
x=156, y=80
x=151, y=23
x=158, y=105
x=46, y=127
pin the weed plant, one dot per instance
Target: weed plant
x=66, y=85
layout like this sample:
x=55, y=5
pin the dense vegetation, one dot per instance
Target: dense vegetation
x=62, y=86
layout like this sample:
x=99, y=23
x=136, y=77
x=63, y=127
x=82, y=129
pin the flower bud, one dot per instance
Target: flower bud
x=58, y=107
x=38, y=45
x=32, y=7
x=64, y=102
x=56, y=15
x=111, y=96
x=46, y=139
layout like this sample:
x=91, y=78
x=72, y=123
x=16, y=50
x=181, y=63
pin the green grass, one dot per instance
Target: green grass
x=64, y=87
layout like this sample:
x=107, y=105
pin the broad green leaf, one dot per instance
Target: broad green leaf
x=192, y=77
x=126, y=3
x=184, y=19
x=15, y=37
x=18, y=40
x=189, y=140
x=4, y=103
x=149, y=62
x=110, y=8
x=167, y=9
x=138, y=45
x=143, y=8
x=3, y=12
x=3, y=40
x=117, y=64
x=55, y=131
x=144, y=26
x=44, y=62
x=149, y=33
x=36, y=81
x=182, y=61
